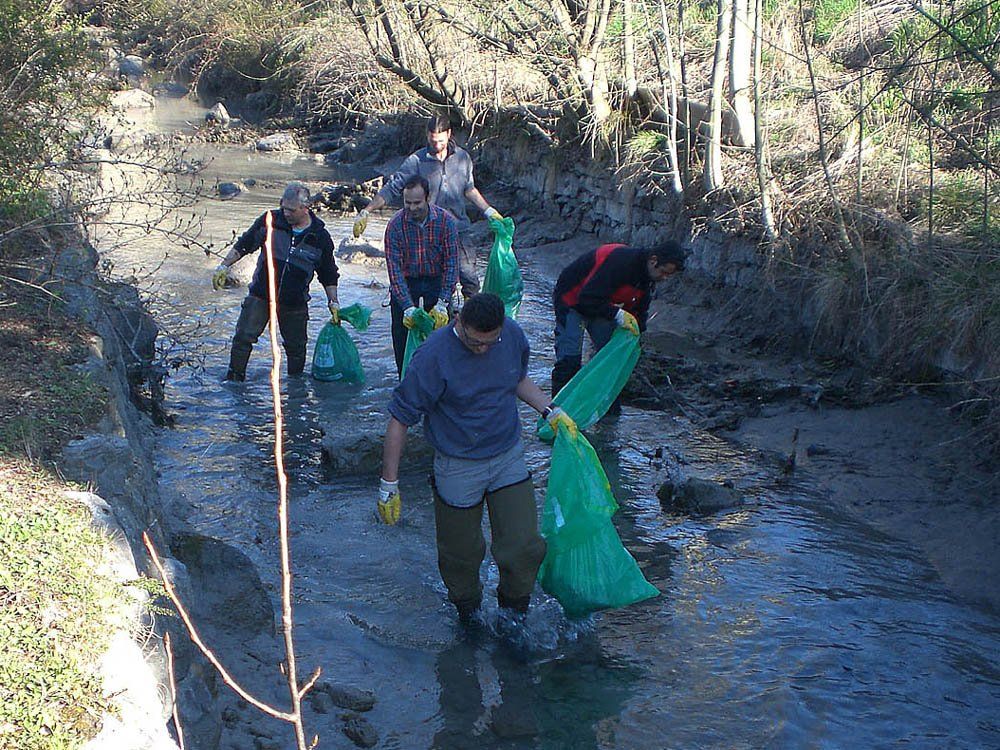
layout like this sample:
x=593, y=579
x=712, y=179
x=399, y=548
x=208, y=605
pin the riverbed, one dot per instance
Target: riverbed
x=783, y=622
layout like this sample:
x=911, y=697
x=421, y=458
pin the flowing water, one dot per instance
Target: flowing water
x=780, y=624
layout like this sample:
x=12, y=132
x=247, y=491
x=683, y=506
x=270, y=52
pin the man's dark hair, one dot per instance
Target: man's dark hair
x=482, y=312
x=438, y=124
x=668, y=252
x=418, y=180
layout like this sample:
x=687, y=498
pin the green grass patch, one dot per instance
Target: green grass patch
x=963, y=207
x=828, y=14
x=58, y=607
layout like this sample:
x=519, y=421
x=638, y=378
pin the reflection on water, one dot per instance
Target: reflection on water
x=780, y=624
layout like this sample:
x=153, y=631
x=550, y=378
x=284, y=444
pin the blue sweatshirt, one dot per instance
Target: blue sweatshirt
x=468, y=401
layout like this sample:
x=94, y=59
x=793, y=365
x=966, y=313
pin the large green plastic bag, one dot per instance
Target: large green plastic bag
x=590, y=393
x=423, y=326
x=503, y=275
x=586, y=568
x=335, y=356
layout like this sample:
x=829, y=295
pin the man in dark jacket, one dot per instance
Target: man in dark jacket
x=604, y=288
x=301, y=246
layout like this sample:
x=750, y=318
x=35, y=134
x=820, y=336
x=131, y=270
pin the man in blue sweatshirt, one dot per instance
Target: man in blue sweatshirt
x=464, y=383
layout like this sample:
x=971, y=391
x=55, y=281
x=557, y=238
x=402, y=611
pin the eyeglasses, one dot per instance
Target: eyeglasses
x=473, y=343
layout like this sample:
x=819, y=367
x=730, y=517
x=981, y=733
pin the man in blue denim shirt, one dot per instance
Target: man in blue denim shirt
x=464, y=383
x=448, y=171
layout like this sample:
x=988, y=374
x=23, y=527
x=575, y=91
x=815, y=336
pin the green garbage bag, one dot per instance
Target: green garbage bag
x=503, y=275
x=423, y=326
x=590, y=393
x=335, y=356
x=586, y=568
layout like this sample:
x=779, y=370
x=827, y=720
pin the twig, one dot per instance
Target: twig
x=196, y=638
x=279, y=464
x=173, y=690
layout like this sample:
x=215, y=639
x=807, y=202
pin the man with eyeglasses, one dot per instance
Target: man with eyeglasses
x=464, y=383
x=300, y=246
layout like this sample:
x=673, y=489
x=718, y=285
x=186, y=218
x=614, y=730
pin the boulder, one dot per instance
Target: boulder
x=277, y=142
x=359, y=730
x=131, y=66
x=170, y=89
x=218, y=114
x=353, y=452
x=230, y=595
x=697, y=496
x=229, y=190
x=346, y=696
x=132, y=99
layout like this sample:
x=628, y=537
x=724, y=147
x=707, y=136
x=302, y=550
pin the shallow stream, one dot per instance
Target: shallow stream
x=780, y=624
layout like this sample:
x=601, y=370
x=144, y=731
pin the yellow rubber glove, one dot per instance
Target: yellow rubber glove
x=492, y=213
x=558, y=418
x=361, y=223
x=219, y=277
x=440, y=316
x=408, y=317
x=627, y=321
x=389, y=504
x=334, y=313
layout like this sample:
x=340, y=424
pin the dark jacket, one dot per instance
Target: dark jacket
x=598, y=282
x=296, y=258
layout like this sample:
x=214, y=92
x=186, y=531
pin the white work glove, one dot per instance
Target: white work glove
x=390, y=503
x=220, y=276
x=557, y=418
x=492, y=213
x=627, y=320
x=440, y=315
x=360, y=223
x=408, y=316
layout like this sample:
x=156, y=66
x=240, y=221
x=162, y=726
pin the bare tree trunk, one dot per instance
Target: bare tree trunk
x=685, y=94
x=678, y=184
x=713, y=151
x=739, y=71
x=760, y=142
x=861, y=124
x=394, y=60
x=584, y=25
x=628, y=47
x=838, y=213
x=423, y=24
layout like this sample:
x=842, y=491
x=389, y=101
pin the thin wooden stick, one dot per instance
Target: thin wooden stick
x=196, y=638
x=173, y=690
x=279, y=464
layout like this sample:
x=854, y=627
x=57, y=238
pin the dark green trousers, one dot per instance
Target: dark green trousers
x=517, y=546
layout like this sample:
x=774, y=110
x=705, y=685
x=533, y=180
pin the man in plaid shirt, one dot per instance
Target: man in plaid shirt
x=421, y=255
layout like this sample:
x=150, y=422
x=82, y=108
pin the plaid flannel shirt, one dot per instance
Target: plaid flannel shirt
x=428, y=249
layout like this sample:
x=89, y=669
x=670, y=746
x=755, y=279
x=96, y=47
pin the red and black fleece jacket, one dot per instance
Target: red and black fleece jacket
x=598, y=282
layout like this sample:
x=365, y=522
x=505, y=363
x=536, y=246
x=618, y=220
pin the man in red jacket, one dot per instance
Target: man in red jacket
x=604, y=288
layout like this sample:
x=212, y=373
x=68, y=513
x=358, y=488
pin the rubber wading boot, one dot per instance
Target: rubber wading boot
x=467, y=611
